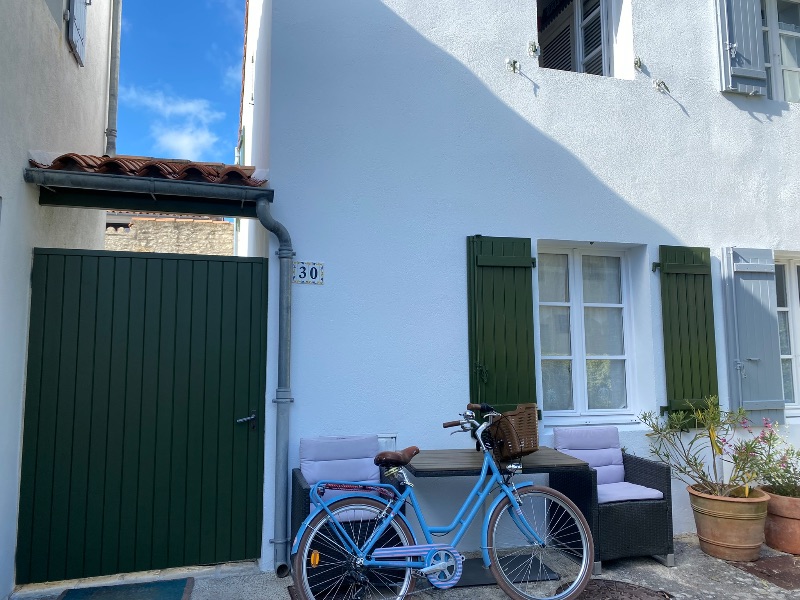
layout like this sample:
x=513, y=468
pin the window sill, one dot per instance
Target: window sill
x=792, y=412
x=550, y=421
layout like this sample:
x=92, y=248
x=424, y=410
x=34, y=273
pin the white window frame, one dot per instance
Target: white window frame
x=581, y=408
x=576, y=35
x=792, y=281
x=772, y=62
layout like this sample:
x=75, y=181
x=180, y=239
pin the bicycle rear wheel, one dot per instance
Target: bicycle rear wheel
x=327, y=570
x=561, y=567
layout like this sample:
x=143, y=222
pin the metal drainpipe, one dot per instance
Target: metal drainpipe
x=113, y=83
x=283, y=393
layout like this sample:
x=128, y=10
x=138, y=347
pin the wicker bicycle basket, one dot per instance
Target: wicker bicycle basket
x=515, y=433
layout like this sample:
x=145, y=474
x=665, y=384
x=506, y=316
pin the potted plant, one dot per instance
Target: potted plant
x=703, y=450
x=778, y=465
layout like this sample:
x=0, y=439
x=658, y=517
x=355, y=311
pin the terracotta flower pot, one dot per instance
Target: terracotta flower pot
x=730, y=528
x=782, y=530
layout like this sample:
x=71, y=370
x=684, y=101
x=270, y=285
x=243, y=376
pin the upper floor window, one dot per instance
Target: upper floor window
x=787, y=283
x=582, y=321
x=780, y=21
x=574, y=36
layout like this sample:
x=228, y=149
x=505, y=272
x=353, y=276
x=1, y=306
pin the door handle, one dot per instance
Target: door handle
x=253, y=419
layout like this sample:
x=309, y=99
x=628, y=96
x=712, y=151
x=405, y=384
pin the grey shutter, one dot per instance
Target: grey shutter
x=77, y=29
x=754, y=360
x=742, y=47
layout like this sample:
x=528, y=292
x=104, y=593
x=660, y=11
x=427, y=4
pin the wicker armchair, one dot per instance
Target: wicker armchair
x=621, y=526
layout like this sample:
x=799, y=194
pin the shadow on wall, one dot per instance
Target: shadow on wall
x=364, y=107
x=378, y=136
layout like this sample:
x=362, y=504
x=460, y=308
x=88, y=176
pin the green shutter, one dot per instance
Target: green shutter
x=500, y=307
x=690, y=356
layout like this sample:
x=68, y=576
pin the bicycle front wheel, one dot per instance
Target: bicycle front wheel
x=557, y=569
x=325, y=569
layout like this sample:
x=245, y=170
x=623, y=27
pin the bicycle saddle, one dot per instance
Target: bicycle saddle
x=396, y=459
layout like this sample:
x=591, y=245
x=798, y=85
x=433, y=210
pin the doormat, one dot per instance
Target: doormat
x=608, y=589
x=173, y=589
x=783, y=571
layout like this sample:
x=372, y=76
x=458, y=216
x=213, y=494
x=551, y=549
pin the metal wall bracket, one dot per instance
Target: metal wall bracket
x=282, y=397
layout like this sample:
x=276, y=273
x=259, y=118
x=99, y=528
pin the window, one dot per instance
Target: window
x=573, y=36
x=780, y=22
x=582, y=320
x=787, y=282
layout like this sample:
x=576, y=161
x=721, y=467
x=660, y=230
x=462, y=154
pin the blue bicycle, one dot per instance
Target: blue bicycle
x=360, y=545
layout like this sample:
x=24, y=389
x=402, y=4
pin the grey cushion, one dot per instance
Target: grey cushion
x=598, y=446
x=618, y=492
x=346, y=458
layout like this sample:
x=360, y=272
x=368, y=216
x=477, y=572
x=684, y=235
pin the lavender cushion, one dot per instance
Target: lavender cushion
x=617, y=492
x=346, y=458
x=598, y=446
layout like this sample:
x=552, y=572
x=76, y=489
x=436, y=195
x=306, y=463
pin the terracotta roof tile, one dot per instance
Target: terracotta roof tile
x=166, y=168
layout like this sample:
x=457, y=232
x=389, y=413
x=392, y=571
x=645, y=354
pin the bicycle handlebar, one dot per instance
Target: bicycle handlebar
x=481, y=407
x=464, y=422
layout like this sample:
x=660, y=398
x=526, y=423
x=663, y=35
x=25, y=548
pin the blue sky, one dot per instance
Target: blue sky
x=180, y=78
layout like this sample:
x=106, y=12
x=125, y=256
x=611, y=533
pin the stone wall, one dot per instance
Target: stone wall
x=173, y=235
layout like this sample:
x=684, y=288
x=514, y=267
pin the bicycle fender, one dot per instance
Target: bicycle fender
x=485, y=528
x=319, y=509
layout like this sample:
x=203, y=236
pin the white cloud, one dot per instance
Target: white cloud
x=188, y=142
x=180, y=127
x=232, y=77
x=166, y=106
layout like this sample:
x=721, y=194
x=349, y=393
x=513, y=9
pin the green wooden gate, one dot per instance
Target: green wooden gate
x=138, y=367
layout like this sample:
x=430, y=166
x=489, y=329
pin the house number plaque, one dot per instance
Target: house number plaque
x=308, y=272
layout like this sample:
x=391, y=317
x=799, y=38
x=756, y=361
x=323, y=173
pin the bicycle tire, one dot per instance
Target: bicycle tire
x=337, y=574
x=561, y=568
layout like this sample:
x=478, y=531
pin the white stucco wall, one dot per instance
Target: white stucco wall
x=251, y=237
x=395, y=131
x=48, y=103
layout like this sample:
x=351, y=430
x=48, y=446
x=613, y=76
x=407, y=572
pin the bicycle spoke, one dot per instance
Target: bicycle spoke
x=556, y=569
x=339, y=574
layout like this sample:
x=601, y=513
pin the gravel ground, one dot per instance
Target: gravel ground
x=696, y=576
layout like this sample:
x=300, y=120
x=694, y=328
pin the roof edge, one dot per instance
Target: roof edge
x=145, y=185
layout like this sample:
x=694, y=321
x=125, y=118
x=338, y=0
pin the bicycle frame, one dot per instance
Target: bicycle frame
x=489, y=477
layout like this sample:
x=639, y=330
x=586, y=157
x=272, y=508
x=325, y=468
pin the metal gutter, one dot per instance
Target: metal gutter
x=145, y=185
x=113, y=79
x=77, y=189
x=283, y=393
